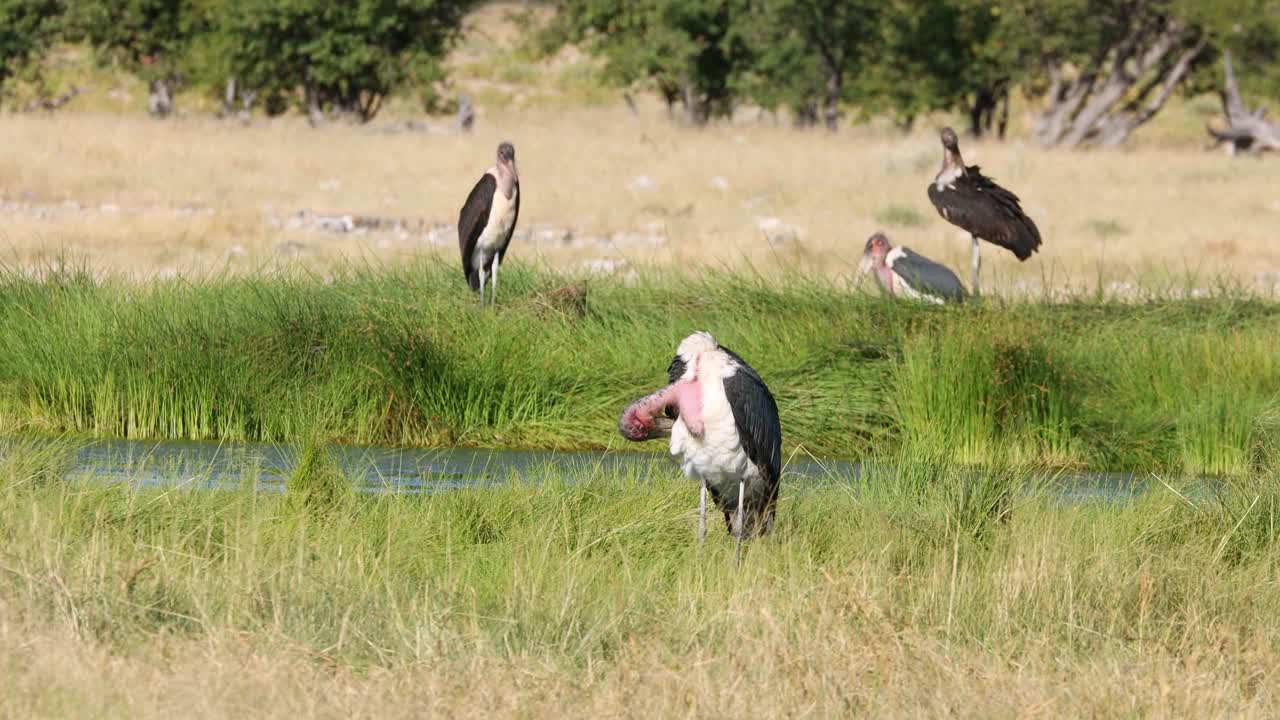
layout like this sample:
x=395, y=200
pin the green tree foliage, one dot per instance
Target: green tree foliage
x=1102, y=67
x=806, y=52
x=346, y=56
x=686, y=49
x=27, y=28
x=150, y=37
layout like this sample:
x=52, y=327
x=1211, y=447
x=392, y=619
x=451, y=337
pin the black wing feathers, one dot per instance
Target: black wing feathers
x=471, y=222
x=756, y=415
x=977, y=204
x=928, y=277
x=676, y=370
x=674, y=373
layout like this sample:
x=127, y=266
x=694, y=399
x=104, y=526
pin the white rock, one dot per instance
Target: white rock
x=769, y=224
x=605, y=266
x=641, y=183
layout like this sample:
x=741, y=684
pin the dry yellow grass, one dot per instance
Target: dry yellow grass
x=198, y=194
x=845, y=662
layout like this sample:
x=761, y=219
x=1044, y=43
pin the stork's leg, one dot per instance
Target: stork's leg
x=702, y=518
x=977, y=267
x=481, y=273
x=494, y=301
x=741, y=523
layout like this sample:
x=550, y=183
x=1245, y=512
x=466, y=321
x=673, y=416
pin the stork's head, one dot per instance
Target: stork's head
x=874, y=252
x=877, y=247
x=654, y=415
x=646, y=419
x=950, y=140
x=507, y=157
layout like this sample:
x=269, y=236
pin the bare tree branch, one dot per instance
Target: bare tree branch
x=1246, y=131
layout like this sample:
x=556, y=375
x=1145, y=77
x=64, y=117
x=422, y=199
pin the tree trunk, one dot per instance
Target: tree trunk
x=160, y=97
x=229, y=97
x=1246, y=131
x=466, y=114
x=247, y=98
x=831, y=102
x=1122, y=89
x=695, y=110
x=315, y=115
x=1003, y=123
x=1120, y=126
x=367, y=107
x=1064, y=99
x=50, y=104
x=981, y=112
x=670, y=95
x=806, y=115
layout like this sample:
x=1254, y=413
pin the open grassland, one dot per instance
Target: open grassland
x=402, y=355
x=928, y=589
x=604, y=189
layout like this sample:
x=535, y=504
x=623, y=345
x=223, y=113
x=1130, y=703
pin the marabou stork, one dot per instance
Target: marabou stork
x=970, y=200
x=487, y=220
x=902, y=272
x=723, y=425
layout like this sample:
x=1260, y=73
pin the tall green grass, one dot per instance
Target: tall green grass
x=402, y=355
x=581, y=571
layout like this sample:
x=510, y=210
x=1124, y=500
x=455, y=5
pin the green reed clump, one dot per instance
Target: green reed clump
x=401, y=355
x=318, y=487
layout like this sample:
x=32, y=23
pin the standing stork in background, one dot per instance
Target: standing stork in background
x=902, y=272
x=972, y=201
x=487, y=220
x=723, y=425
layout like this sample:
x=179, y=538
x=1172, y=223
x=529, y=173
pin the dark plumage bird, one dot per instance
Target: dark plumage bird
x=970, y=200
x=487, y=220
x=723, y=424
x=904, y=273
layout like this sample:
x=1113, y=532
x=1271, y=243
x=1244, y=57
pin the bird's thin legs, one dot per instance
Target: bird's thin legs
x=977, y=267
x=481, y=273
x=702, y=518
x=741, y=523
x=494, y=301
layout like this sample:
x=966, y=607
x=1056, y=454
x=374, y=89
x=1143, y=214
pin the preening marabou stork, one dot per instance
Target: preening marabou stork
x=970, y=200
x=904, y=273
x=723, y=425
x=488, y=219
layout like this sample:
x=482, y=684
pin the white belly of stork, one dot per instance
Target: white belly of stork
x=502, y=215
x=717, y=458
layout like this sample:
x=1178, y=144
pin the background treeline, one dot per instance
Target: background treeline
x=1098, y=69
x=341, y=57
x=1101, y=68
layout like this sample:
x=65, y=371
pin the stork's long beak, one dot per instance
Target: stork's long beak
x=645, y=419
x=662, y=427
x=867, y=264
x=654, y=415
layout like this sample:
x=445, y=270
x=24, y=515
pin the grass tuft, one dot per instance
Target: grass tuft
x=894, y=215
